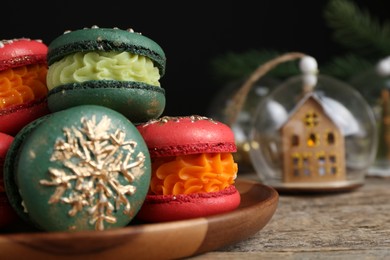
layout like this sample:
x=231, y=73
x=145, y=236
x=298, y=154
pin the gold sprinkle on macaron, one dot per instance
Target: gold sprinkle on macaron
x=166, y=119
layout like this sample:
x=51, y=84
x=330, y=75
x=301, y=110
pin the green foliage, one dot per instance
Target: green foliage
x=236, y=66
x=357, y=30
x=345, y=67
x=364, y=38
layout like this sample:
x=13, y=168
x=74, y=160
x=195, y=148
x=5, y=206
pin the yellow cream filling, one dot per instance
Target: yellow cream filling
x=192, y=173
x=120, y=66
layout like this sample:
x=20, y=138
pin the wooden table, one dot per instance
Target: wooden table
x=349, y=225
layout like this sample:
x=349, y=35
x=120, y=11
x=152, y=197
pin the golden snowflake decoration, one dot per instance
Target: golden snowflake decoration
x=92, y=160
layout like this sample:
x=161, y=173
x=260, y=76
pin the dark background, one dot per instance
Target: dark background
x=192, y=33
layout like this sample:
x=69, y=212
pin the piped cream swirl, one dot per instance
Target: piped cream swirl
x=120, y=66
x=193, y=173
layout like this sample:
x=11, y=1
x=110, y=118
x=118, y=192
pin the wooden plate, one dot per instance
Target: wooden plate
x=176, y=239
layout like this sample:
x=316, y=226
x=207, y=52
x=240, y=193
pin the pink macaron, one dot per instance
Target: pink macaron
x=7, y=213
x=193, y=170
x=23, y=90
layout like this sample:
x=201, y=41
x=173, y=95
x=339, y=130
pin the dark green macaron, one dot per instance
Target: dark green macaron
x=119, y=69
x=82, y=168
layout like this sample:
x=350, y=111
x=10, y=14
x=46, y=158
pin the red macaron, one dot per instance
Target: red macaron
x=7, y=213
x=193, y=170
x=23, y=89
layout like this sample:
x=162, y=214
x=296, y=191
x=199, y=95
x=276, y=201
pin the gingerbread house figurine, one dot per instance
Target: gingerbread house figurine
x=313, y=145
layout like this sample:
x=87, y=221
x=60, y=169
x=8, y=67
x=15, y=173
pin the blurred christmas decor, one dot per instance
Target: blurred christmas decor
x=233, y=77
x=375, y=83
x=310, y=133
x=365, y=66
x=242, y=125
x=365, y=41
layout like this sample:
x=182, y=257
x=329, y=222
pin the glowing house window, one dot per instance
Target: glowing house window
x=312, y=140
x=321, y=159
x=321, y=164
x=311, y=119
x=321, y=171
x=294, y=140
x=305, y=161
x=330, y=138
x=295, y=161
x=296, y=164
x=333, y=164
x=306, y=165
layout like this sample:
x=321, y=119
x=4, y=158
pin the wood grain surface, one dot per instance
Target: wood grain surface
x=348, y=225
x=169, y=240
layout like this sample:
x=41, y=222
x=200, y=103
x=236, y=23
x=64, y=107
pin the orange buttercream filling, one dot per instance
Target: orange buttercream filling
x=23, y=84
x=209, y=172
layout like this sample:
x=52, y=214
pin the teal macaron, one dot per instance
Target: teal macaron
x=82, y=168
x=119, y=69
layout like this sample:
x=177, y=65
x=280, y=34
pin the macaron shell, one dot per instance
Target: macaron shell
x=10, y=169
x=7, y=213
x=20, y=52
x=137, y=101
x=106, y=39
x=16, y=53
x=62, y=193
x=5, y=142
x=186, y=135
x=162, y=208
x=13, y=119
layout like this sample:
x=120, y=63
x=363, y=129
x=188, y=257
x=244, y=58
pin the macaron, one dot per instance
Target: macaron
x=7, y=213
x=193, y=169
x=119, y=69
x=23, y=89
x=82, y=168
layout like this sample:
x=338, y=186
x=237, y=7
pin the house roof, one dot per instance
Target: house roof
x=335, y=110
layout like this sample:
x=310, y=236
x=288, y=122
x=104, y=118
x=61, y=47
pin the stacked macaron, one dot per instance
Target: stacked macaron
x=23, y=89
x=119, y=69
x=86, y=166
x=103, y=155
x=7, y=214
x=193, y=170
x=82, y=168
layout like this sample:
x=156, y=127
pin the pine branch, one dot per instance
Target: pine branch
x=356, y=29
x=359, y=72
x=347, y=66
x=236, y=66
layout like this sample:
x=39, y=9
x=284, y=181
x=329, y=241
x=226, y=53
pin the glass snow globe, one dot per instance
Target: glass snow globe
x=241, y=126
x=319, y=136
x=374, y=85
